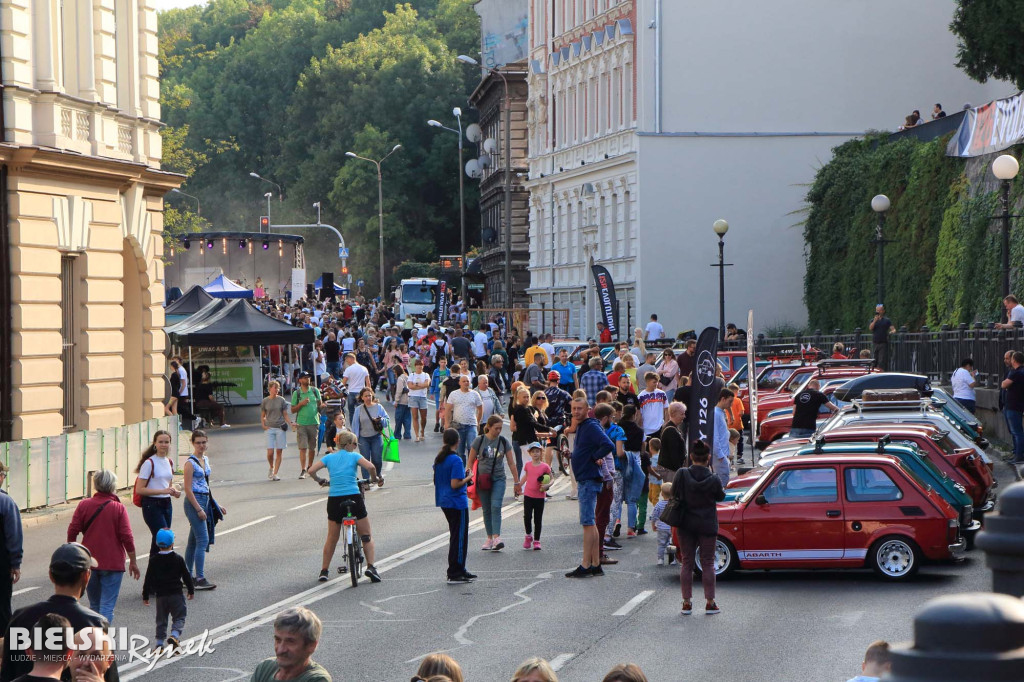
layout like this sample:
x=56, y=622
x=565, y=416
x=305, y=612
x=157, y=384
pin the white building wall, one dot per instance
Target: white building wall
x=753, y=98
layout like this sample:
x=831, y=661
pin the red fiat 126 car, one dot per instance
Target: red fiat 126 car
x=822, y=511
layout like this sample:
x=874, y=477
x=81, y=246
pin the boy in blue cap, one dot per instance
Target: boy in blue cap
x=165, y=577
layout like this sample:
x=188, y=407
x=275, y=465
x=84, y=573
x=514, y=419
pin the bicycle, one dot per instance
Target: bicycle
x=560, y=442
x=353, y=555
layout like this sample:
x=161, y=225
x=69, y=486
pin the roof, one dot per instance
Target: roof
x=805, y=460
x=222, y=287
x=236, y=323
x=191, y=302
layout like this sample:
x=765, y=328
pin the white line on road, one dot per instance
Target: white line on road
x=244, y=525
x=27, y=589
x=398, y=596
x=267, y=614
x=633, y=603
x=559, y=661
x=308, y=504
x=460, y=634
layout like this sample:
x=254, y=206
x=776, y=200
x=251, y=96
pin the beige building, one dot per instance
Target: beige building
x=81, y=275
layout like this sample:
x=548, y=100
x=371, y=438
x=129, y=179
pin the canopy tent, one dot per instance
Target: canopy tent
x=198, y=318
x=338, y=289
x=236, y=323
x=190, y=303
x=222, y=287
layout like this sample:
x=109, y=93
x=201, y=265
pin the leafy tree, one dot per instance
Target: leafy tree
x=990, y=34
x=411, y=270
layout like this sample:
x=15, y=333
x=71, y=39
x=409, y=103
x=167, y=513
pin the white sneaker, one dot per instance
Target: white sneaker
x=275, y=478
x=270, y=473
x=225, y=426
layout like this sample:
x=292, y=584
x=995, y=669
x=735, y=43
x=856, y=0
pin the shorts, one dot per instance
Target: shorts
x=336, y=510
x=588, y=492
x=417, y=402
x=305, y=436
x=276, y=438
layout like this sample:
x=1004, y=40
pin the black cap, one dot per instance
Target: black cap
x=305, y=375
x=72, y=558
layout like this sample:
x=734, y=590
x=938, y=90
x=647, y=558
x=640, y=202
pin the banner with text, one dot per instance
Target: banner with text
x=606, y=296
x=989, y=128
x=705, y=389
x=442, y=302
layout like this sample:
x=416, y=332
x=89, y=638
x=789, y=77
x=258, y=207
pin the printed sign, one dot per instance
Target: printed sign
x=989, y=128
x=705, y=389
x=606, y=296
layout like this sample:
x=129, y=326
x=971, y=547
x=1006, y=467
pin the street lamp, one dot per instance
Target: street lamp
x=457, y=113
x=316, y=205
x=199, y=211
x=880, y=204
x=1005, y=168
x=465, y=59
x=280, y=194
x=267, y=197
x=380, y=207
x=720, y=227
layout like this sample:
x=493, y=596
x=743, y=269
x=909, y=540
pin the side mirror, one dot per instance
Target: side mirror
x=761, y=499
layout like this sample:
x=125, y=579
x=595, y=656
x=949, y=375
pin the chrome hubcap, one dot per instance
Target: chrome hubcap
x=722, y=557
x=895, y=558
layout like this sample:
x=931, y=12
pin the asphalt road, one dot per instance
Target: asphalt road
x=778, y=625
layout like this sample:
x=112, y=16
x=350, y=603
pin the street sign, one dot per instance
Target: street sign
x=360, y=283
x=342, y=252
x=350, y=279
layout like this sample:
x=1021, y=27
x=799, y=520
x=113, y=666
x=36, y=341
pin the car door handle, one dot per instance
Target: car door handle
x=833, y=513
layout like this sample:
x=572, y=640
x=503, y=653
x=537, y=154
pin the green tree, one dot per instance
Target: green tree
x=990, y=34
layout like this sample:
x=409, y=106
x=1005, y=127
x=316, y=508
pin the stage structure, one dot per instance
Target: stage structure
x=199, y=258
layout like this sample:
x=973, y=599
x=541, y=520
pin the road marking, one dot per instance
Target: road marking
x=308, y=504
x=376, y=609
x=244, y=525
x=27, y=589
x=460, y=634
x=267, y=614
x=633, y=603
x=398, y=596
x=559, y=661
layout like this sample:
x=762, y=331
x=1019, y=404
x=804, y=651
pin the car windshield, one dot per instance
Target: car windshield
x=419, y=293
x=773, y=377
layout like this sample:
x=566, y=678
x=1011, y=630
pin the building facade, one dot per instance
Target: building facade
x=489, y=99
x=81, y=270
x=650, y=120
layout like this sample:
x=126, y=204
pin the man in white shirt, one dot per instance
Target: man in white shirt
x=418, y=383
x=355, y=377
x=463, y=410
x=964, y=380
x=348, y=344
x=549, y=348
x=654, y=329
x=1014, y=313
x=480, y=342
x=653, y=406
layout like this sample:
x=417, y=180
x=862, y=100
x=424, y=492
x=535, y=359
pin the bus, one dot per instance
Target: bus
x=417, y=297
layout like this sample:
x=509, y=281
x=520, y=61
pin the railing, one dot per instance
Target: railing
x=55, y=469
x=934, y=353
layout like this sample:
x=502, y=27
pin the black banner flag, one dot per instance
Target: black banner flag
x=442, y=302
x=705, y=388
x=606, y=296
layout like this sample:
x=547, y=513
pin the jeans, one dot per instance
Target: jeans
x=588, y=494
x=458, y=538
x=403, y=421
x=969, y=405
x=172, y=606
x=687, y=552
x=491, y=501
x=801, y=433
x=391, y=379
x=103, y=589
x=467, y=434
x=1013, y=421
x=352, y=400
x=334, y=369
x=517, y=450
x=372, y=448
x=156, y=512
x=198, y=537
x=664, y=540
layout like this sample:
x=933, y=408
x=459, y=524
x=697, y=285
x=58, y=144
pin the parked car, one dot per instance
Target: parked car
x=845, y=511
x=731, y=361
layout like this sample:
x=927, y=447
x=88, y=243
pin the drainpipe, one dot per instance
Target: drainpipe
x=6, y=323
x=657, y=67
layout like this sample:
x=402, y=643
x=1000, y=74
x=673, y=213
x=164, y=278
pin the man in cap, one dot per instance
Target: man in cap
x=70, y=569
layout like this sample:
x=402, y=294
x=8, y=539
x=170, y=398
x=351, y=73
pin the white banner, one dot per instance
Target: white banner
x=298, y=284
x=752, y=384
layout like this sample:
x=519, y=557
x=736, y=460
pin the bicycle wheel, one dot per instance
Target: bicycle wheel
x=564, y=454
x=354, y=552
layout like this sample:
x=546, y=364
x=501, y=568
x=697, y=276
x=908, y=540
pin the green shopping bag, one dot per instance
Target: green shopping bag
x=390, y=446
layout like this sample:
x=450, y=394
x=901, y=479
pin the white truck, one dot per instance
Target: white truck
x=417, y=297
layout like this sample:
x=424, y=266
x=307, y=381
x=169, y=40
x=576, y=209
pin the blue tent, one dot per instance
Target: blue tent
x=338, y=289
x=222, y=287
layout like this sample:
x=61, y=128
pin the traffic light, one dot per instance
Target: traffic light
x=344, y=271
x=265, y=223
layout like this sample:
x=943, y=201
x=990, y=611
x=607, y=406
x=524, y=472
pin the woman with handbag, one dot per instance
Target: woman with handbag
x=400, y=387
x=695, y=492
x=491, y=451
x=154, y=486
x=201, y=510
x=668, y=373
x=368, y=425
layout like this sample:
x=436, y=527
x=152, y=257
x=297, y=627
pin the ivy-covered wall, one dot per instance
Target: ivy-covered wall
x=943, y=264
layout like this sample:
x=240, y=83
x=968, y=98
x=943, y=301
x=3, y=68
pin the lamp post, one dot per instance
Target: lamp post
x=457, y=113
x=280, y=193
x=465, y=59
x=1005, y=168
x=721, y=227
x=880, y=204
x=316, y=205
x=199, y=210
x=380, y=208
x=267, y=197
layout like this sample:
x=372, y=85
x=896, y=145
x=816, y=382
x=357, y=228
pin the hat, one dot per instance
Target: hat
x=72, y=557
x=165, y=538
x=554, y=376
x=534, y=446
x=305, y=375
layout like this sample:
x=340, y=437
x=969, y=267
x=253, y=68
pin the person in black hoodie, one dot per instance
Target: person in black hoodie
x=699, y=490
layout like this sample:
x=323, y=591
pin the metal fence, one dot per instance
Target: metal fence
x=55, y=469
x=935, y=353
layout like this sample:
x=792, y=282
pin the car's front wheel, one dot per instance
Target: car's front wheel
x=726, y=559
x=895, y=557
